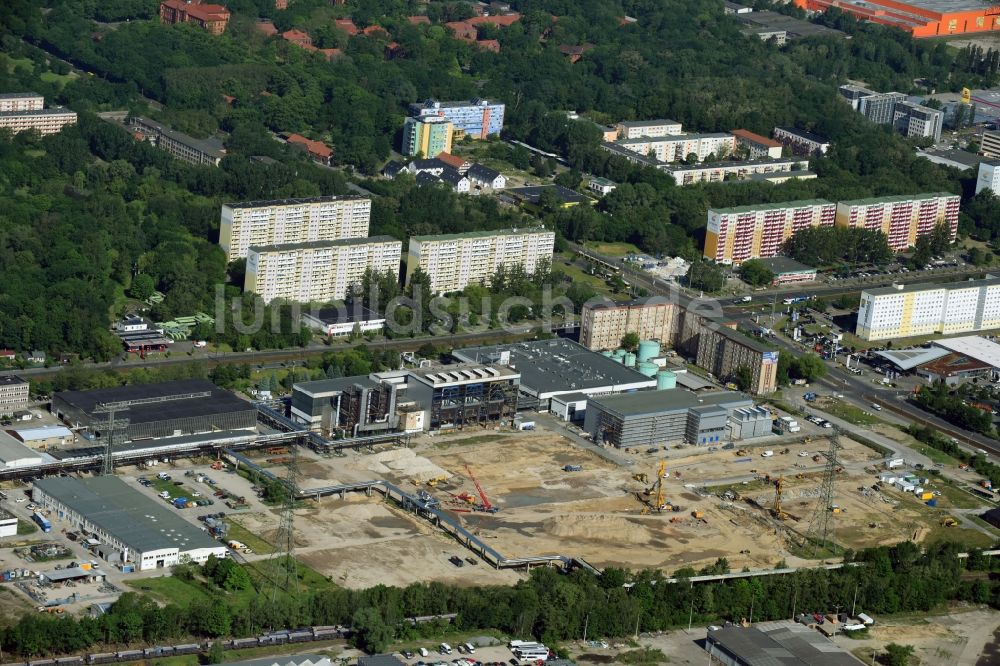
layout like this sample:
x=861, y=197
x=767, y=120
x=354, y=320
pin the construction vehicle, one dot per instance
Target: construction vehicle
x=436, y=480
x=486, y=506
x=641, y=477
x=777, y=511
x=742, y=452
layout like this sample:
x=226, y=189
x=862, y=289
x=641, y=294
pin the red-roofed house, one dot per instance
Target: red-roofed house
x=393, y=50
x=418, y=20
x=504, y=21
x=459, y=164
x=489, y=45
x=347, y=25
x=281, y=4
x=229, y=99
x=266, y=28
x=213, y=18
x=297, y=37
x=756, y=145
x=375, y=30
x=8, y=355
x=463, y=30
x=331, y=54
x=318, y=151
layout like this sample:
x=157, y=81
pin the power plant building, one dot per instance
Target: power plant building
x=165, y=409
x=464, y=394
x=348, y=406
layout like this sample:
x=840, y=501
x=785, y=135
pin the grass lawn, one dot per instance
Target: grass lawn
x=61, y=79
x=849, y=413
x=613, y=249
x=964, y=537
x=171, y=590
x=175, y=491
x=953, y=496
x=25, y=527
x=237, y=532
x=934, y=454
x=577, y=274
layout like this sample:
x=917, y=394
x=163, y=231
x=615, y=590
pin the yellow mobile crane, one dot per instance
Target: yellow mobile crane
x=654, y=497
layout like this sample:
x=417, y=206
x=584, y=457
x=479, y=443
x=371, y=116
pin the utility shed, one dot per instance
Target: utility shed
x=782, y=643
x=14, y=454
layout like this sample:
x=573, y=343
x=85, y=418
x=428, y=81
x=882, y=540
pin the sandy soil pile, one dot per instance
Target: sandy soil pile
x=596, y=528
x=404, y=462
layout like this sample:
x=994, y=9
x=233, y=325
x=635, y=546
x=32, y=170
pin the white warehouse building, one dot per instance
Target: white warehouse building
x=133, y=528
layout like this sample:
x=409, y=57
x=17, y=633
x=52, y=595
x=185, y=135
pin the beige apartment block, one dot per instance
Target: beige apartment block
x=284, y=221
x=46, y=121
x=454, y=261
x=26, y=101
x=318, y=271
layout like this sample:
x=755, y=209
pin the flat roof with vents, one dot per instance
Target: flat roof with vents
x=136, y=520
x=462, y=373
x=557, y=366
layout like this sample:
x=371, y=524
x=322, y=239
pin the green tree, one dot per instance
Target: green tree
x=630, y=341
x=237, y=579
x=371, y=632
x=743, y=378
x=216, y=654
x=705, y=276
x=756, y=273
x=897, y=655
x=142, y=287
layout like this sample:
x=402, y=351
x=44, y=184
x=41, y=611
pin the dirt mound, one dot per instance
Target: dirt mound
x=596, y=528
x=404, y=462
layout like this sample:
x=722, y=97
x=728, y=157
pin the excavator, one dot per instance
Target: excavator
x=777, y=511
x=658, y=504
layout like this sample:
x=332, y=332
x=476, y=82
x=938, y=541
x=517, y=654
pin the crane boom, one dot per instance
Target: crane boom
x=661, y=472
x=487, y=506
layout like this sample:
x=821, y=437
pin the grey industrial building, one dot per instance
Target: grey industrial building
x=556, y=367
x=165, y=409
x=464, y=394
x=654, y=418
x=782, y=643
x=131, y=527
x=348, y=406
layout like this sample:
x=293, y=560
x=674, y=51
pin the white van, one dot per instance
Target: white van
x=470, y=648
x=165, y=495
x=444, y=648
x=423, y=652
x=767, y=454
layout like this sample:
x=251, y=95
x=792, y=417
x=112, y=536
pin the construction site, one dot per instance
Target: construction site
x=538, y=493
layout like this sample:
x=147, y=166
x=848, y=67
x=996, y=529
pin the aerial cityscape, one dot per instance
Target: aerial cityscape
x=466, y=333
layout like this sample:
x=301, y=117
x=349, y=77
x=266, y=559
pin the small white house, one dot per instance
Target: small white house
x=486, y=178
x=601, y=186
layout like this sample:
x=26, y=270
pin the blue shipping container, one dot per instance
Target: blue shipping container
x=932, y=502
x=42, y=522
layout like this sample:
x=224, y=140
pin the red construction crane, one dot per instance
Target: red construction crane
x=487, y=506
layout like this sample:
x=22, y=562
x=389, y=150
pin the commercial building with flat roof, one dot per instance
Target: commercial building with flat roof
x=14, y=393
x=178, y=144
x=287, y=660
x=788, y=271
x=14, y=454
x=988, y=176
x=135, y=528
x=282, y=221
x=920, y=18
x=656, y=418
x=318, y=271
x=901, y=311
x=182, y=407
x=8, y=524
x=903, y=218
x=736, y=170
x=454, y=261
x=782, y=643
x=44, y=436
x=338, y=322
x=46, y=121
x=348, y=406
x=737, y=234
x=558, y=366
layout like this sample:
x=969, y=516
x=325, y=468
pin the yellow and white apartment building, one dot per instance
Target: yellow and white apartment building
x=902, y=311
